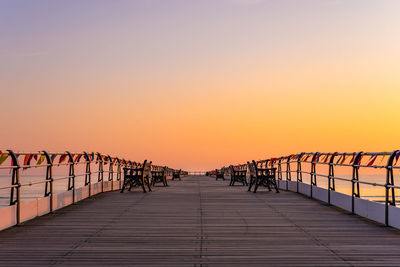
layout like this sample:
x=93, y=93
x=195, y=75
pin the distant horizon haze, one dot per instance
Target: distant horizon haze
x=197, y=84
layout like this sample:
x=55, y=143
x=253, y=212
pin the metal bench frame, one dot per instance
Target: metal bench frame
x=219, y=174
x=135, y=177
x=176, y=175
x=159, y=176
x=238, y=176
x=263, y=176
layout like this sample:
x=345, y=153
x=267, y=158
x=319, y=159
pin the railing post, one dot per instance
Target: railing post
x=389, y=189
x=299, y=172
x=288, y=172
x=48, y=191
x=15, y=182
x=355, y=189
x=279, y=170
x=88, y=174
x=111, y=172
x=119, y=172
x=331, y=177
x=71, y=178
x=313, y=174
x=100, y=174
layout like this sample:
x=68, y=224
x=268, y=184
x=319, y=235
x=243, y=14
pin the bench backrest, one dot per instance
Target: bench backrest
x=159, y=173
x=237, y=173
x=176, y=173
x=267, y=172
x=136, y=172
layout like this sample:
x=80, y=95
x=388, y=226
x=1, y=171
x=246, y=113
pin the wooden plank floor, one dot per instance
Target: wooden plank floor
x=200, y=222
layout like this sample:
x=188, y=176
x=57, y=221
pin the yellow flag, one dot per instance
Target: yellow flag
x=3, y=157
x=41, y=159
x=384, y=155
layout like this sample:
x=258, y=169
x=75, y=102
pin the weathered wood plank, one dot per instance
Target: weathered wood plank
x=200, y=222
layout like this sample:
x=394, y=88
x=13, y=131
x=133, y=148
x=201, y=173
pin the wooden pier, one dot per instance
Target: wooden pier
x=200, y=222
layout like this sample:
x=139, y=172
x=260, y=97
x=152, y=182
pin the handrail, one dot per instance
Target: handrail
x=355, y=160
x=18, y=161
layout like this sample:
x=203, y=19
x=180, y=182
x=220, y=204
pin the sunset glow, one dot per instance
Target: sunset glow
x=200, y=84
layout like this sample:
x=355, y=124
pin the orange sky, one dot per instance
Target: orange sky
x=201, y=84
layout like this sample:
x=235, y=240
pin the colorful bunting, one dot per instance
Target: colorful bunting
x=372, y=160
x=337, y=162
x=62, y=158
x=52, y=157
x=27, y=160
x=344, y=158
x=316, y=159
x=359, y=160
x=397, y=157
x=384, y=155
x=352, y=159
x=327, y=157
x=41, y=159
x=3, y=157
x=78, y=157
x=339, y=159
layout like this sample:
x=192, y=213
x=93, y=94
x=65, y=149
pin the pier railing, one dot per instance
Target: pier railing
x=198, y=173
x=68, y=178
x=318, y=174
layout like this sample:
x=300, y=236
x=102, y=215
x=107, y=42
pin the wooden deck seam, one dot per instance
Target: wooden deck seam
x=81, y=242
x=200, y=222
x=316, y=240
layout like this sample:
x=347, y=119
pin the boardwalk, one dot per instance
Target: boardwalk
x=200, y=222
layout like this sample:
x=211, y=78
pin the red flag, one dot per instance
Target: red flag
x=373, y=158
x=344, y=158
x=27, y=160
x=316, y=159
x=359, y=160
x=352, y=159
x=397, y=157
x=327, y=157
x=62, y=158
x=78, y=157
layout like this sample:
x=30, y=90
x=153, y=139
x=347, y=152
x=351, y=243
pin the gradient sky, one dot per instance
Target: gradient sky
x=200, y=84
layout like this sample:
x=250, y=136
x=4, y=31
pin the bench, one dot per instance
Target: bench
x=262, y=176
x=159, y=175
x=238, y=174
x=220, y=174
x=176, y=174
x=137, y=176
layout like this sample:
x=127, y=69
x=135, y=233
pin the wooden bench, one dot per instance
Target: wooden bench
x=238, y=174
x=219, y=174
x=262, y=176
x=159, y=175
x=176, y=174
x=137, y=176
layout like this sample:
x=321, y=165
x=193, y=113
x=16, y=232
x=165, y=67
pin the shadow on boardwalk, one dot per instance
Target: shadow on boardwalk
x=200, y=222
